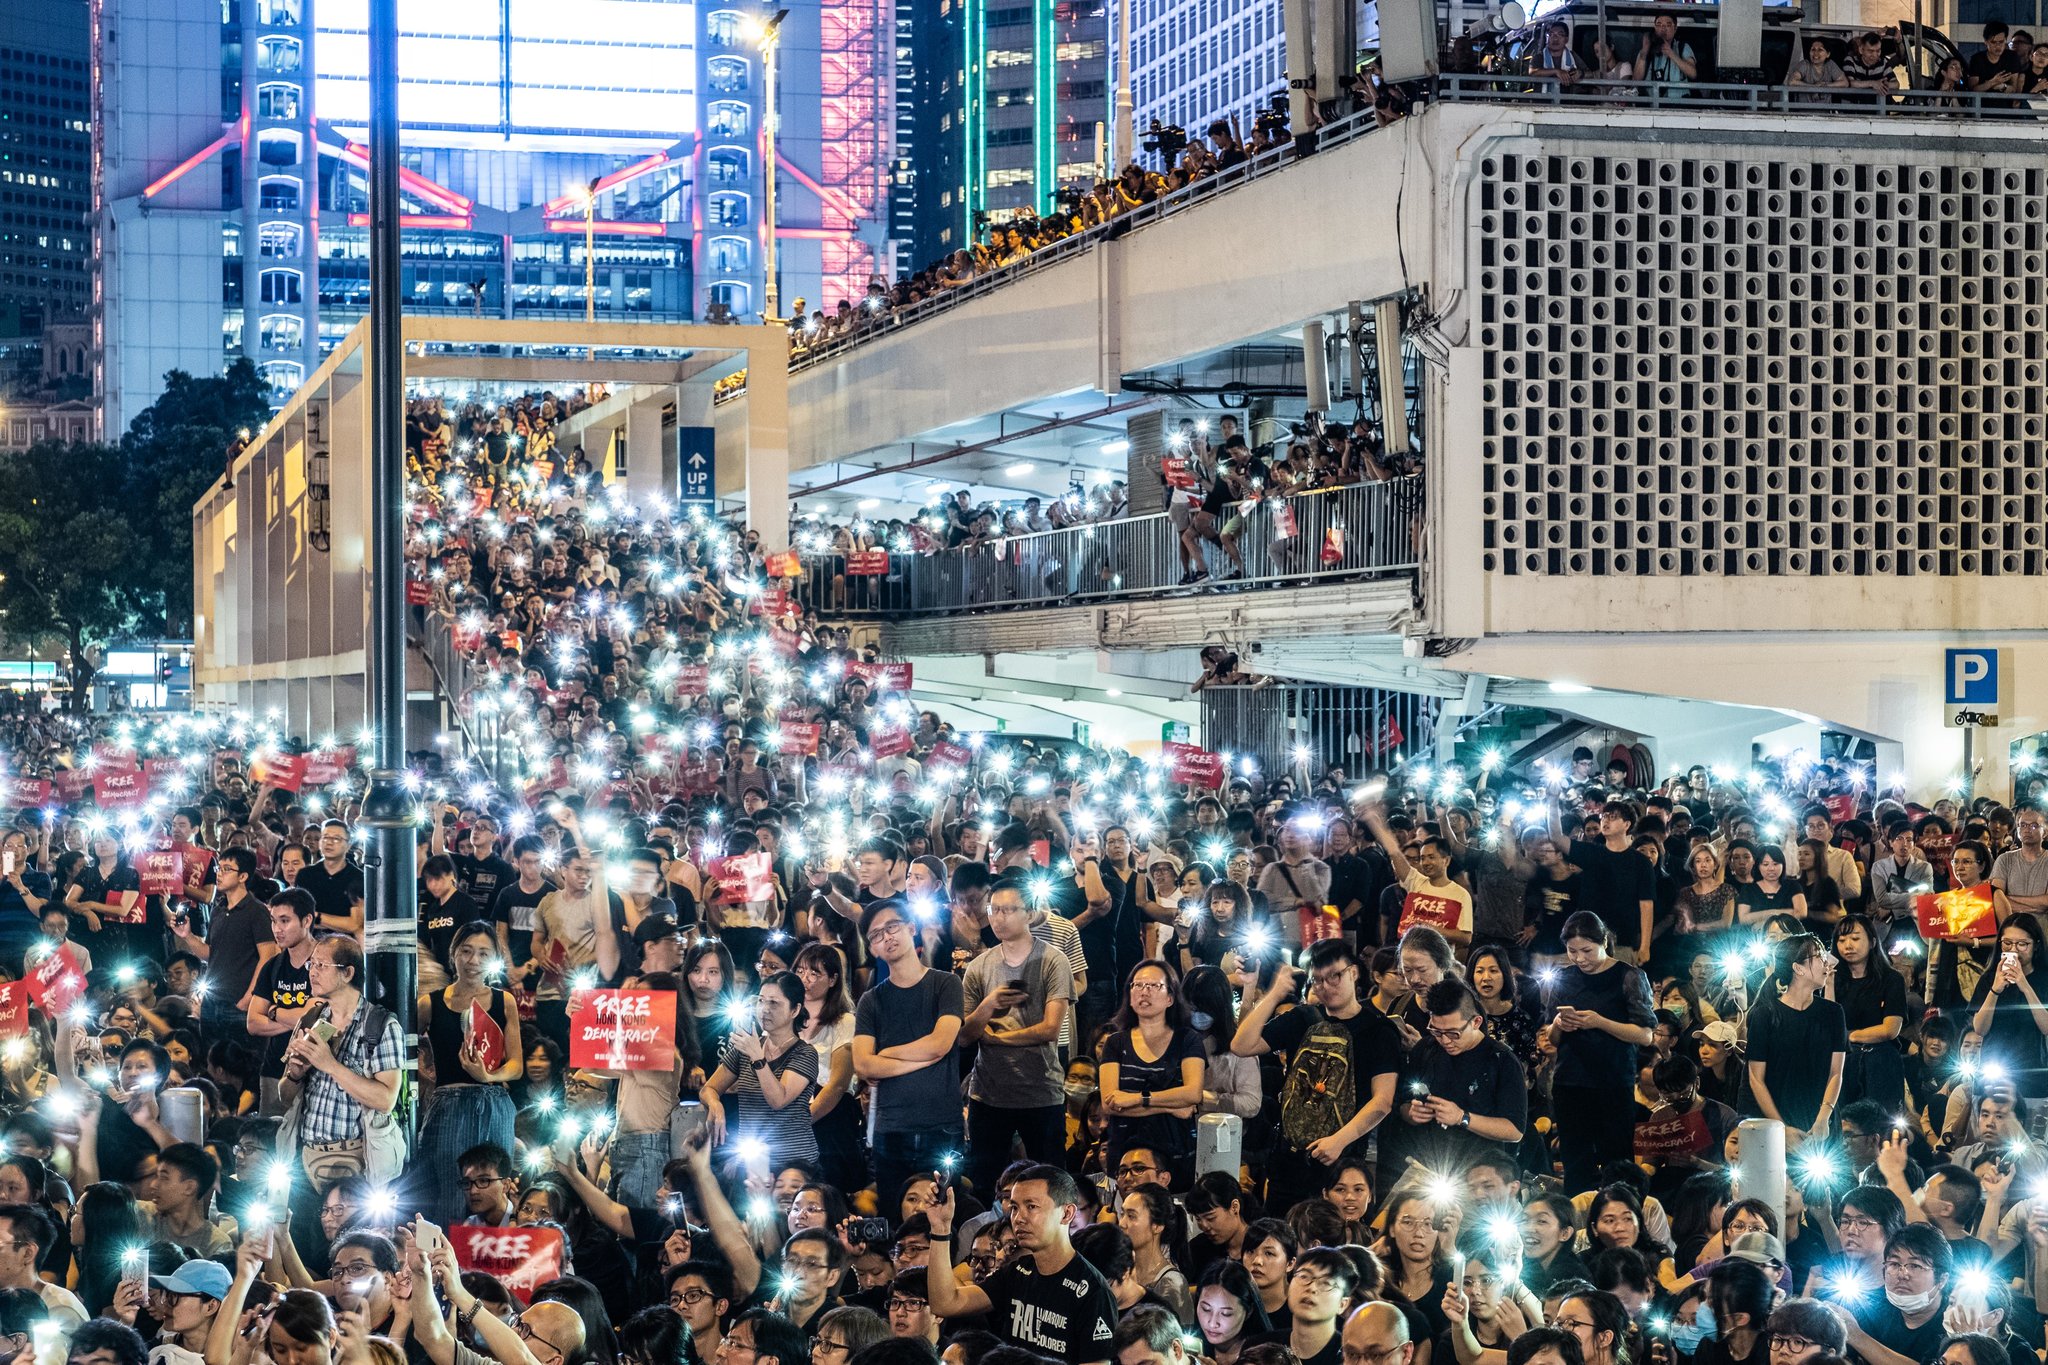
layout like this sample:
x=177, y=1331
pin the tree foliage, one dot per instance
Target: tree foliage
x=96, y=540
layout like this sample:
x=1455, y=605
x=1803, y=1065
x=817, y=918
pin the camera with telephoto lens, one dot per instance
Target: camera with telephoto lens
x=1272, y=120
x=1167, y=139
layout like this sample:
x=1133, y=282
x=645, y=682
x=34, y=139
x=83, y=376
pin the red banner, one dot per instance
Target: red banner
x=162, y=871
x=786, y=642
x=162, y=772
x=1966, y=912
x=26, y=791
x=521, y=1259
x=13, y=1010
x=693, y=680
x=785, y=564
x=795, y=737
x=1658, y=1139
x=114, y=758
x=774, y=602
x=72, y=785
x=417, y=593
x=1333, y=545
x=624, y=1031
x=1840, y=808
x=324, y=767
x=888, y=743
x=1176, y=471
x=1193, y=763
x=867, y=563
x=698, y=778
x=1427, y=907
x=198, y=863
x=485, y=1035
x=882, y=677
x=951, y=754
x=286, y=772
x=1284, y=522
x=747, y=878
x=55, y=983
x=129, y=908
x=120, y=790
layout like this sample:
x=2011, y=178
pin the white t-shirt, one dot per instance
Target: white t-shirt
x=1435, y=905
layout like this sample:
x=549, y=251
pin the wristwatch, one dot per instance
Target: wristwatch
x=1465, y=1119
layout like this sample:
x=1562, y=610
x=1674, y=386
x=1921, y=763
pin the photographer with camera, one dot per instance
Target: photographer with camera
x=1665, y=60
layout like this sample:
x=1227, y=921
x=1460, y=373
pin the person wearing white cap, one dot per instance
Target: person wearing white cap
x=195, y=1290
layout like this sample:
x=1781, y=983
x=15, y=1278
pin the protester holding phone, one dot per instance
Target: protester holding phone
x=1016, y=996
x=772, y=1074
x=2008, y=1011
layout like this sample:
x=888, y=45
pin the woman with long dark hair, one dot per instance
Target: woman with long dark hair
x=2008, y=1012
x=1151, y=1070
x=105, y=1225
x=772, y=1074
x=470, y=1103
x=1228, y=1311
x=828, y=1028
x=1798, y=1040
x=1158, y=1232
x=1230, y=1083
x=1873, y=999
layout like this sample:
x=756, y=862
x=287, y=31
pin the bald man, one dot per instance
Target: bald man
x=552, y=1333
x=1377, y=1334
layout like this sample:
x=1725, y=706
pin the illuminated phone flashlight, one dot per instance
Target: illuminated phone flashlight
x=536, y=1159
x=1819, y=1165
x=1441, y=1189
x=278, y=1178
x=382, y=1204
x=1504, y=1232
x=751, y=1150
x=761, y=1208
x=124, y=975
x=1850, y=1286
x=1548, y=976
x=1258, y=938
x=739, y=1012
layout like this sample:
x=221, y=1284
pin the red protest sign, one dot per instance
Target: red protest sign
x=1178, y=474
x=889, y=743
x=197, y=863
x=693, y=680
x=162, y=871
x=784, y=564
x=698, y=778
x=1333, y=545
x=882, y=677
x=951, y=754
x=785, y=641
x=867, y=563
x=485, y=1035
x=624, y=1031
x=73, y=784
x=13, y=1010
x=25, y=791
x=798, y=738
x=120, y=790
x=1840, y=808
x=286, y=772
x=774, y=602
x=128, y=908
x=521, y=1259
x=1966, y=912
x=1192, y=763
x=162, y=772
x=1423, y=906
x=417, y=593
x=55, y=982
x=114, y=757
x=747, y=878
x=328, y=766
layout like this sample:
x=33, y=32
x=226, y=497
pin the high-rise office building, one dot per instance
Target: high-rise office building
x=1003, y=108
x=604, y=157
x=45, y=166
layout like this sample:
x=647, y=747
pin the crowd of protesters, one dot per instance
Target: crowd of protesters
x=1000, y=1051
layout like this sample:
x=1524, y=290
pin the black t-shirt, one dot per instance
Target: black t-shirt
x=440, y=919
x=1868, y=1000
x=1613, y=886
x=1550, y=902
x=1375, y=1044
x=287, y=987
x=1980, y=68
x=1069, y=1316
x=334, y=893
x=1164, y=1133
x=1796, y=1047
x=1591, y=1056
x=514, y=909
x=1487, y=1080
x=234, y=937
x=1331, y=1354
x=1887, y=1327
x=480, y=878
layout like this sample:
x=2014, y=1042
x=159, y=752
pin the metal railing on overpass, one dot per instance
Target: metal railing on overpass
x=1367, y=530
x=1355, y=728
x=489, y=741
x=1589, y=93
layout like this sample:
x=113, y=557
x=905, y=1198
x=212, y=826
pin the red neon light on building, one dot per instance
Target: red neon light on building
x=613, y=226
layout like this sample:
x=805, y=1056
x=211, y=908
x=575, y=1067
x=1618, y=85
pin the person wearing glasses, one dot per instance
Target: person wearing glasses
x=845, y=1332
x=761, y=1337
x=194, y=1293
x=1462, y=1093
x=1151, y=1071
x=1801, y=1330
x=486, y=1185
x=812, y=1264
x=1377, y=1334
x=700, y=1292
x=1318, y=1289
x=1903, y=1324
x=910, y=1308
x=1599, y=1323
x=904, y=1035
x=1798, y=1041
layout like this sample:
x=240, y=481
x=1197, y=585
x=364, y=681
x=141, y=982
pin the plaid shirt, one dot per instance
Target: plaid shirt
x=331, y=1114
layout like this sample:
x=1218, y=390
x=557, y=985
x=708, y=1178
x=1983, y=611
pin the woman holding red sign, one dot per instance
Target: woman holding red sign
x=472, y=1039
x=107, y=892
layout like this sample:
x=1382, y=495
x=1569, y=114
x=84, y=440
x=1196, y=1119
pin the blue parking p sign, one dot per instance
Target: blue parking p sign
x=1971, y=677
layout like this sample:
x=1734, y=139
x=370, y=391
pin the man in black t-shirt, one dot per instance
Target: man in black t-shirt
x=1996, y=70
x=516, y=901
x=443, y=910
x=1050, y=1300
x=1617, y=883
x=481, y=871
x=1342, y=1030
x=1461, y=1094
x=283, y=988
x=336, y=883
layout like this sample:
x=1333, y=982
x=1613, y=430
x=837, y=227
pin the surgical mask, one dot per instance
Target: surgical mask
x=1688, y=1336
x=1200, y=1020
x=1912, y=1303
x=1079, y=1091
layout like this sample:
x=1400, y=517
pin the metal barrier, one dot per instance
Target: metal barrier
x=485, y=734
x=1365, y=530
x=1355, y=728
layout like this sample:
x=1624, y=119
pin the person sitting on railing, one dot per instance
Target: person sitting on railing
x=1555, y=60
x=1220, y=518
x=1817, y=70
x=1665, y=60
x=1868, y=68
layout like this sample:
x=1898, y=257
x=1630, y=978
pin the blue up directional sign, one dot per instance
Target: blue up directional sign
x=1972, y=686
x=697, y=464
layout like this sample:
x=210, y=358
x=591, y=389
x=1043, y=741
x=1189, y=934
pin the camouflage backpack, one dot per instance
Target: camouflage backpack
x=1318, y=1096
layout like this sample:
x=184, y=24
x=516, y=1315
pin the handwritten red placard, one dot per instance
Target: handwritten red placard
x=624, y=1031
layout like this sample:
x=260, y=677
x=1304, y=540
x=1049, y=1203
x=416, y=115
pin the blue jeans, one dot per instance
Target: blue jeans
x=637, y=1159
x=905, y=1152
x=458, y=1118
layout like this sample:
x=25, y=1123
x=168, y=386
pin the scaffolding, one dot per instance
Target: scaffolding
x=856, y=76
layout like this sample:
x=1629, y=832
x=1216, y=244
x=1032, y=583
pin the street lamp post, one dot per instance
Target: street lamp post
x=1124, y=148
x=770, y=39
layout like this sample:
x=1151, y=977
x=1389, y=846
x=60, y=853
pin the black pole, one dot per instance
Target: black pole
x=391, y=897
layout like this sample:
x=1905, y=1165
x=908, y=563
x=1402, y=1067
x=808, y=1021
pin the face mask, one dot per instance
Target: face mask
x=1678, y=1009
x=1912, y=1303
x=1078, y=1091
x=1688, y=1337
x=1200, y=1020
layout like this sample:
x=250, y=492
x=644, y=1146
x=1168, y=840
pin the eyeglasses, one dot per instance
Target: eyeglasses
x=888, y=930
x=897, y=1303
x=1446, y=1035
x=1147, y=986
x=1135, y=1168
x=1573, y=1325
x=826, y=1346
x=1358, y=1357
x=729, y=1344
x=1415, y=1224
x=983, y=1260
x=1793, y=1345
x=479, y=1182
x=801, y=1266
x=1317, y=1284
x=688, y=1298
x=1333, y=976
x=1856, y=1221
x=1909, y=1265
x=526, y=1333
x=354, y=1270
